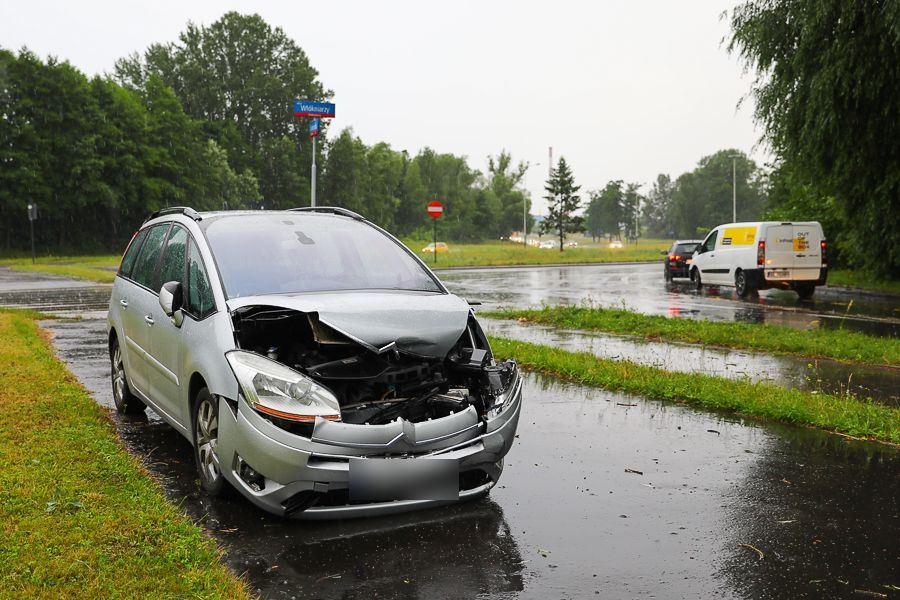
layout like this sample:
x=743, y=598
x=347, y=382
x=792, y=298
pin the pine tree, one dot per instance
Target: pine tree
x=563, y=200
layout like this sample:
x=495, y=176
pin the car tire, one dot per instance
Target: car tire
x=805, y=291
x=741, y=285
x=667, y=274
x=695, y=277
x=123, y=399
x=205, y=428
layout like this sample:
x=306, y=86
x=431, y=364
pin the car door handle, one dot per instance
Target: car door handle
x=124, y=303
x=149, y=320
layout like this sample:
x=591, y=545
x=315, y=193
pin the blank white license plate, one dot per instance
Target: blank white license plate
x=386, y=479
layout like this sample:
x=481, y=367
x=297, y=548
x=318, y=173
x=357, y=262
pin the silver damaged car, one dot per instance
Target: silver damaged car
x=315, y=363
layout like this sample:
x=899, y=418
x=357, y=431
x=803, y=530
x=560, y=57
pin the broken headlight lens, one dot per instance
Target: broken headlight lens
x=274, y=389
x=502, y=382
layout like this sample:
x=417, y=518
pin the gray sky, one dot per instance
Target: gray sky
x=622, y=89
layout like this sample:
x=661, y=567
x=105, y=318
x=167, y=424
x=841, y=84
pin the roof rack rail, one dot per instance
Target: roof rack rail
x=335, y=210
x=176, y=210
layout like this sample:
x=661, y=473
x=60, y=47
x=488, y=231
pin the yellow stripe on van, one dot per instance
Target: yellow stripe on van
x=738, y=236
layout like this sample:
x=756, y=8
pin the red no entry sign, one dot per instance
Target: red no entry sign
x=435, y=209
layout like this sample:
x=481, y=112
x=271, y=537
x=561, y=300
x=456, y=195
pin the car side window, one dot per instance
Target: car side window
x=710, y=243
x=145, y=266
x=131, y=253
x=200, y=300
x=174, y=256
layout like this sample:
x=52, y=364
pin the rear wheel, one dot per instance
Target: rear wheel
x=805, y=290
x=125, y=401
x=740, y=283
x=695, y=277
x=667, y=274
x=206, y=440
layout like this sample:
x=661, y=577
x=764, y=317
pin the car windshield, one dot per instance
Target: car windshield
x=685, y=249
x=274, y=253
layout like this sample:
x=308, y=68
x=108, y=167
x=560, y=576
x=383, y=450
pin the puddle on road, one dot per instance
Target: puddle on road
x=90, y=301
x=880, y=384
x=567, y=519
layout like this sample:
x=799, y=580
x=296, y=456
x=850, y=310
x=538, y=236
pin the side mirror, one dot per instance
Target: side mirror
x=663, y=252
x=171, y=298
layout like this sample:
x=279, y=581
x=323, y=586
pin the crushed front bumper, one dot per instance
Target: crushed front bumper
x=308, y=478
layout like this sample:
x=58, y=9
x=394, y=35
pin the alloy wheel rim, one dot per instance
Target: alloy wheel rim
x=118, y=375
x=207, y=439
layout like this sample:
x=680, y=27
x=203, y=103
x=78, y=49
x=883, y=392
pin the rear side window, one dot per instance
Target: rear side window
x=145, y=266
x=200, y=301
x=131, y=253
x=173, y=258
x=685, y=249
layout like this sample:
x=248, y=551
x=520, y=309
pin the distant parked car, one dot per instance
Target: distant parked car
x=550, y=244
x=677, y=262
x=615, y=244
x=439, y=248
x=571, y=244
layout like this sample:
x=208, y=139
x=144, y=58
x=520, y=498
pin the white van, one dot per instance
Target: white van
x=763, y=255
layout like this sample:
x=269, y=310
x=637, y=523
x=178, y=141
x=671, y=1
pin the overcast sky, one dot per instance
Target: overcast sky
x=622, y=89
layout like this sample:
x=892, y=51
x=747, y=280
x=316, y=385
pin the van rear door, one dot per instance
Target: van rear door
x=793, y=252
x=807, y=247
x=779, y=252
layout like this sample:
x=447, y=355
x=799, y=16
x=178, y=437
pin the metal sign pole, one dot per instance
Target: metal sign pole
x=32, y=216
x=313, y=176
x=435, y=241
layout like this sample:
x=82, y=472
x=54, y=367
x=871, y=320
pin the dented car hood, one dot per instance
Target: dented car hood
x=426, y=324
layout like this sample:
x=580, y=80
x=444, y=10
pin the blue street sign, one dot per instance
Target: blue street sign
x=307, y=108
x=313, y=127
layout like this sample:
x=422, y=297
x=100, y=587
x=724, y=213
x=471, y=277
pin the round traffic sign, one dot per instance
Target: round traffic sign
x=435, y=209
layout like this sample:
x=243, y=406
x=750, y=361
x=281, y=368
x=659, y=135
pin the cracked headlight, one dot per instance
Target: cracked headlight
x=503, y=379
x=277, y=390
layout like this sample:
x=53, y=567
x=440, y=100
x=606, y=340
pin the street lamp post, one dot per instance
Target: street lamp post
x=734, y=158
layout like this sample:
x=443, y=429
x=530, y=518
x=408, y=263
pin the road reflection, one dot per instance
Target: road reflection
x=825, y=513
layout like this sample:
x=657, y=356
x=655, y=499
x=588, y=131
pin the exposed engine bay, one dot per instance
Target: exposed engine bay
x=377, y=385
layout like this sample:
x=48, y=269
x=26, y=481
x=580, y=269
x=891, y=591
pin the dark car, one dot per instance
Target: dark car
x=678, y=259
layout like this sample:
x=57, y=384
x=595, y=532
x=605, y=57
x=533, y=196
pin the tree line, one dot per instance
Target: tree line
x=206, y=121
x=827, y=93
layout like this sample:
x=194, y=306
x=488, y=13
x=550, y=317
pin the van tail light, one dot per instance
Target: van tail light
x=761, y=254
x=824, y=253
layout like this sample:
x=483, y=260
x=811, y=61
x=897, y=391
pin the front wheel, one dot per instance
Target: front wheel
x=206, y=440
x=125, y=401
x=695, y=277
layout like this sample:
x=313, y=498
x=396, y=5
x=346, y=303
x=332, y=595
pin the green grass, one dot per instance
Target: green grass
x=91, y=268
x=840, y=345
x=854, y=279
x=499, y=253
x=80, y=518
x=844, y=415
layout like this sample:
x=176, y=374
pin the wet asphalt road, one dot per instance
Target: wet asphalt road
x=571, y=517
x=641, y=287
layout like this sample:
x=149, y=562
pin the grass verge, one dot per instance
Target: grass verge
x=91, y=268
x=841, y=345
x=854, y=279
x=500, y=253
x=79, y=516
x=845, y=415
